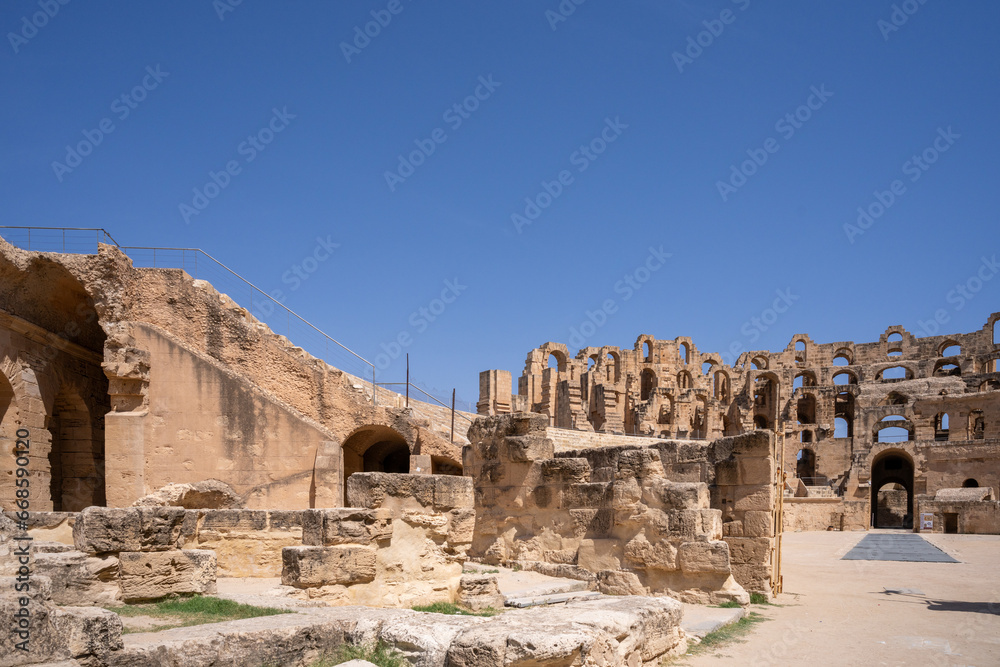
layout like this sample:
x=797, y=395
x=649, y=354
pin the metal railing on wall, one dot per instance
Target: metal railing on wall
x=201, y=266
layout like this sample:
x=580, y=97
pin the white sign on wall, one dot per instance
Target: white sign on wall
x=926, y=522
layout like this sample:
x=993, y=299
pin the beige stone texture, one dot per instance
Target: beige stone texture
x=479, y=592
x=158, y=574
x=247, y=543
x=79, y=579
x=207, y=494
x=344, y=564
x=103, y=530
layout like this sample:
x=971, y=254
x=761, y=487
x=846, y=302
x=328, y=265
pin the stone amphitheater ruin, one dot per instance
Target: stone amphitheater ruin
x=177, y=446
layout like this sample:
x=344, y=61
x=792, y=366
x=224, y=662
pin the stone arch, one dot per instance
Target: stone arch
x=375, y=448
x=889, y=467
x=805, y=409
x=76, y=454
x=899, y=422
x=721, y=385
x=613, y=364
x=647, y=383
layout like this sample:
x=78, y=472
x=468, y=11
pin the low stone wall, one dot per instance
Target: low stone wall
x=803, y=514
x=977, y=517
x=402, y=544
x=565, y=440
x=247, y=543
x=610, y=511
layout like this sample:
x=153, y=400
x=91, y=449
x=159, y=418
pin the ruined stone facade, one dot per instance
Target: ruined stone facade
x=129, y=379
x=921, y=414
x=633, y=518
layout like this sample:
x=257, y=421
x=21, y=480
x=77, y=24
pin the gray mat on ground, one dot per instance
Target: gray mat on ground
x=907, y=547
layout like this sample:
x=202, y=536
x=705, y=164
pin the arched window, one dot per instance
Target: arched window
x=760, y=421
x=684, y=352
x=977, y=425
x=591, y=361
x=996, y=332
x=611, y=363
x=706, y=368
x=844, y=378
x=721, y=386
x=945, y=369
x=951, y=349
x=941, y=426
x=842, y=358
x=806, y=409
x=684, y=380
x=647, y=383
x=970, y=484
x=894, y=373
x=759, y=363
x=648, y=350
x=797, y=382
x=841, y=428
x=895, y=337
x=893, y=433
x=805, y=464
x=556, y=361
x=800, y=346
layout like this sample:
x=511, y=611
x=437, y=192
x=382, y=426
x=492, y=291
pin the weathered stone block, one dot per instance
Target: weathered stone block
x=327, y=527
x=480, y=591
x=78, y=579
x=566, y=471
x=527, y=448
x=104, y=529
x=461, y=526
x=153, y=575
x=727, y=473
x=47, y=643
x=760, y=498
x=619, y=582
x=371, y=489
x=582, y=496
x=749, y=549
x=676, y=496
x=702, y=557
x=451, y=491
x=758, y=524
x=658, y=555
x=90, y=633
x=308, y=567
x=597, y=555
x=756, y=470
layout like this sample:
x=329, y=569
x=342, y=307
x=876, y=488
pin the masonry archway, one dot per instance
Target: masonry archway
x=375, y=448
x=892, y=478
x=76, y=457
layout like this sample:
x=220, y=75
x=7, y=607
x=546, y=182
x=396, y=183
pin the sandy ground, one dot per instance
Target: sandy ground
x=838, y=612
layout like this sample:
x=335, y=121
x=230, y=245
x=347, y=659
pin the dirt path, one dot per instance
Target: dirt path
x=838, y=612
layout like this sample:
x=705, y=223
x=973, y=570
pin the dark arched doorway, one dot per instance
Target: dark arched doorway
x=76, y=459
x=892, y=491
x=375, y=449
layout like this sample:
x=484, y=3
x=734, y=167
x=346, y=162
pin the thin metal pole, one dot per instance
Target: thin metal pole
x=408, y=383
x=453, y=415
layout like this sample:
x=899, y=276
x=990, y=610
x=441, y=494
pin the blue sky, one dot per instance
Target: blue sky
x=622, y=122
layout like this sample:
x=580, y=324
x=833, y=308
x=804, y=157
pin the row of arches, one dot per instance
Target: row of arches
x=73, y=457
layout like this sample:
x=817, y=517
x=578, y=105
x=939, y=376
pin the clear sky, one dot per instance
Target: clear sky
x=716, y=153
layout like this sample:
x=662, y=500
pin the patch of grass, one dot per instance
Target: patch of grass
x=729, y=604
x=380, y=654
x=727, y=633
x=759, y=598
x=473, y=570
x=198, y=610
x=453, y=609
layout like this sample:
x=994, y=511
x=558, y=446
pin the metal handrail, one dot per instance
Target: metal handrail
x=430, y=396
x=196, y=252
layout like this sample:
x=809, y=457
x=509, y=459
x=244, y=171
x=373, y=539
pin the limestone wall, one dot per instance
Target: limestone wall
x=611, y=512
x=405, y=546
x=148, y=376
x=802, y=514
